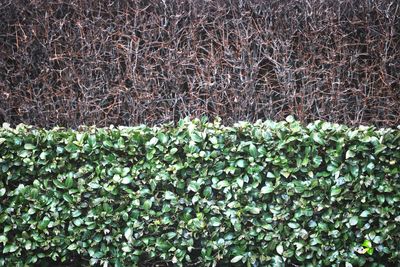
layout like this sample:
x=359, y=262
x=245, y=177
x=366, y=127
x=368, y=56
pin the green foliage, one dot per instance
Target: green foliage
x=366, y=248
x=265, y=193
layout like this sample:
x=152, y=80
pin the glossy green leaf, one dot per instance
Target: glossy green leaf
x=280, y=249
x=194, y=186
x=236, y=259
x=29, y=146
x=128, y=234
x=72, y=247
x=253, y=151
x=335, y=191
x=268, y=188
x=196, y=137
x=353, y=220
x=44, y=223
x=3, y=239
x=241, y=163
x=214, y=221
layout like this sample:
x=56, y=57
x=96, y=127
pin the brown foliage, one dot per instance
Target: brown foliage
x=125, y=62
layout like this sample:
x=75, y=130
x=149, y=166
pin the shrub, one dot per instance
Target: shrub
x=151, y=61
x=199, y=193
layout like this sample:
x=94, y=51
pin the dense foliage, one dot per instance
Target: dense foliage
x=200, y=193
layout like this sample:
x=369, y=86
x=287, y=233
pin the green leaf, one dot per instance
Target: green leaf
x=353, y=220
x=379, y=148
x=241, y=163
x=354, y=170
x=370, y=166
x=163, y=138
x=220, y=192
x=253, y=151
x=69, y=182
x=72, y=148
x=29, y=147
x=107, y=143
x=126, y=248
x=350, y=154
x=240, y=182
x=236, y=259
x=317, y=138
x=377, y=239
x=207, y=192
x=277, y=261
x=196, y=223
x=365, y=214
x=254, y=210
x=10, y=248
x=72, y=247
x=168, y=195
x=127, y=180
x=128, y=234
x=78, y=222
x=3, y=239
x=294, y=225
x=117, y=178
x=153, y=141
x=92, y=140
x=150, y=154
x=213, y=140
x=76, y=213
x=196, y=137
x=58, y=184
x=125, y=171
x=279, y=249
x=268, y=188
x=67, y=197
x=317, y=160
x=285, y=174
x=147, y=205
x=367, y=244
x=222, y=184
x=94, y=185
x=194, y=186
x=44, y=223
x=335, y=191
x=290, y=119
x=43, y=155
x=214, y=221
x=24, y=153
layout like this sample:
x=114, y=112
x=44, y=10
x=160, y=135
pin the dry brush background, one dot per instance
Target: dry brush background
x=108, y=62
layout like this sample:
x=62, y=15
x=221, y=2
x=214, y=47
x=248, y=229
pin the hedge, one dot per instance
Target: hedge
x=128, y=62
x=200, y=193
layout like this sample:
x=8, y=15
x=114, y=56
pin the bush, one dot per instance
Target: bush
x=199, y=193
x=150, y=61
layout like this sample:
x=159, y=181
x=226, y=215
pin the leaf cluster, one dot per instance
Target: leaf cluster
x=268, y=193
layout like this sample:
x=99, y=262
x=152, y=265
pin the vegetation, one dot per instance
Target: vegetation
x=68, y=63
x=200, y=193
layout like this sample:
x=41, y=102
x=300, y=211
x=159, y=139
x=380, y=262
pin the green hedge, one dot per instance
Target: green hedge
x=199, y=193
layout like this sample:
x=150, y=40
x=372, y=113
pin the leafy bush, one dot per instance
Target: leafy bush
x=199, y=193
